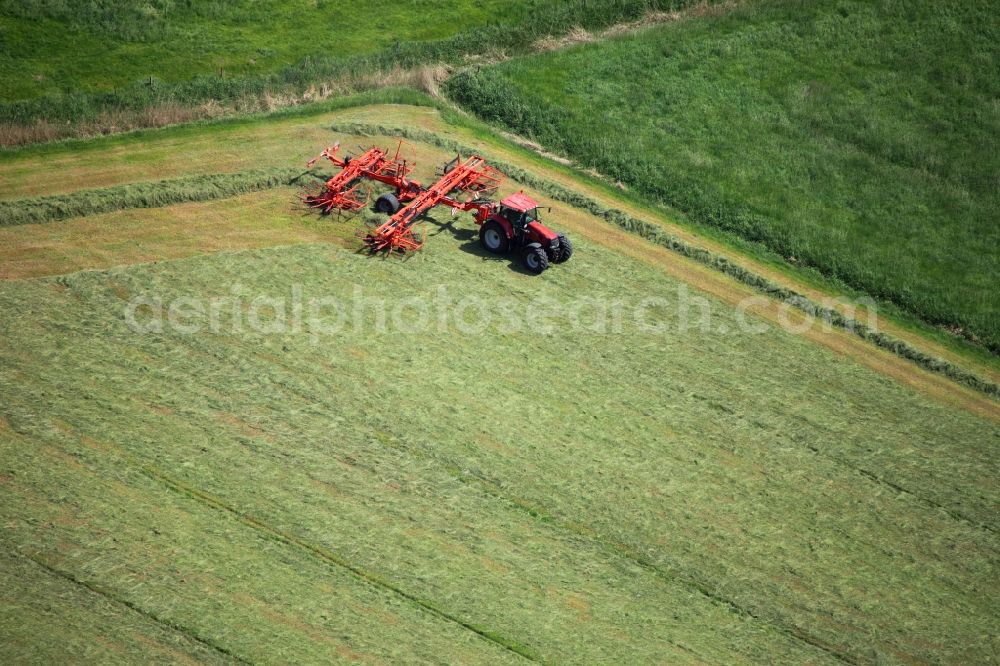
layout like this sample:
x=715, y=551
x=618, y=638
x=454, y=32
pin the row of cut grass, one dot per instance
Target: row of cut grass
x=82, y=203
x=262, y=219
x=655, y=234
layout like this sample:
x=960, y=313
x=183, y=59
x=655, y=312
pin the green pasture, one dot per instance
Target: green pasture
x=71, y=63
x=54, y=46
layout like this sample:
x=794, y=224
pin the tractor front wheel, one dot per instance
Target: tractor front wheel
x=534, y=258
x=565, y=249
x=387, y=203
x=493, y=238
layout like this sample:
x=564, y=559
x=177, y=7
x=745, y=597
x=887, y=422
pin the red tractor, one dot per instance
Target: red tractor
x=516, y=225
x=511, y=225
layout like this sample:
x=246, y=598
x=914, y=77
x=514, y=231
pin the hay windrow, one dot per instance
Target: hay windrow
x=146, y=195
x=656, y=234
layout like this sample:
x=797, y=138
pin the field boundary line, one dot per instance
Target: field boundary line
x=332, y=558
x=656, y=235
x=624, y=550
x=151, y=194
x=614, y=547
x=931, y=504
x=100, y=591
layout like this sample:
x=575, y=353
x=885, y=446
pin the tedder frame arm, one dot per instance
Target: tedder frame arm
x=341, y=191
x=472, y=175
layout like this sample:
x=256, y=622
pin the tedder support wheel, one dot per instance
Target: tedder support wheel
x=493, y=237
x=565, y=249
x=534, y=258
x=387, y=203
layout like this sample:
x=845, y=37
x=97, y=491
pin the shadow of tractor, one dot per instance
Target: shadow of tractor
x=469, y=243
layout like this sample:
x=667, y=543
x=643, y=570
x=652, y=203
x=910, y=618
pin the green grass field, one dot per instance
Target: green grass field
x=342, y=494
x=853, y=137
x=72, y=69
x=107, y=45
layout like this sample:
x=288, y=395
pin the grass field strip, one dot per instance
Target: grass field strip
x=285, y=138
x=653, y=233
x=300, y=391
x=199, y=188
x=295, y=394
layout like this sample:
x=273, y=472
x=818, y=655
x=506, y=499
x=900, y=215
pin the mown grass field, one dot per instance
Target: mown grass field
x=450, y=496
x=853, y=137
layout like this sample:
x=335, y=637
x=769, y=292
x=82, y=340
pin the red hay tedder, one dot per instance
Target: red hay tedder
x=511, y=225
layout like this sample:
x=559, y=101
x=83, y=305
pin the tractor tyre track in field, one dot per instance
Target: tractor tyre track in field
x=96, y=589
x=332, y=559
x=623, y=550
x=872, y=476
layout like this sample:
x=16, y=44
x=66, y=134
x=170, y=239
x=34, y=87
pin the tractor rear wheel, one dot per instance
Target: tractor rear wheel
x=565, y=249
x=387, y=203
x=534, y=258
x=493, y=237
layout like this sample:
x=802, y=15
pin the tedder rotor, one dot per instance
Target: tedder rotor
x=513, y=224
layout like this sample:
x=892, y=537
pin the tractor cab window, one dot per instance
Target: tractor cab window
x=519, y=219
x=513, y=216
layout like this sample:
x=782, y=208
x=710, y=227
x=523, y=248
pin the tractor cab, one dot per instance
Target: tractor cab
x=520, y=210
